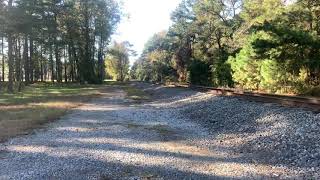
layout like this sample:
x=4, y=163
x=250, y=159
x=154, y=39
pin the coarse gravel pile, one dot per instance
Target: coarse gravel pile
x=264, y=133
x=282, y=135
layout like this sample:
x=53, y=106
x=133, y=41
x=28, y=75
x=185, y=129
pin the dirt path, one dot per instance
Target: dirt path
x=113, y=138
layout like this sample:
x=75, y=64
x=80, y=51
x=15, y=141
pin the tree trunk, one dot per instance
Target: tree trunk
x=2, y=52
x=26, y=61
x=101, y=66
x=58, y=63
x=45, y=69
x=93, y=48
x=10, y=62
x=2, y=55
x=81, y=65
x=71, y=62
x=18, y=65
x=88, y=65
x=31, y=63
x=65, y=65
x=41, y=64
x=51, y=64
x=76, y=63
x=10, y=56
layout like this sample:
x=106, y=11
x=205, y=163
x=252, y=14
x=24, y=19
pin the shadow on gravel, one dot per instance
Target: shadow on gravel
x=99, y=143
x=262, y=133
x=85, y=154
x=104, y=170
x=255, y=123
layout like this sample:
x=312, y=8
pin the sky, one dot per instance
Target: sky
x=145, y=18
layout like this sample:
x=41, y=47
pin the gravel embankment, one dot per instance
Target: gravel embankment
x=263, y=133
x=180, y=134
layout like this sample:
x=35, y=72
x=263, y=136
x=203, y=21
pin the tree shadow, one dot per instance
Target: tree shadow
x=97, y=142
x=258, y=125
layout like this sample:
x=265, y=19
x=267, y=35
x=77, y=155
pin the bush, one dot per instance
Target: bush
x=200, y=73
x=246, y=71
x=221, y=75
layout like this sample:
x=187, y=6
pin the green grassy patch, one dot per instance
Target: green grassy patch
x=40, y=103
x=161, y=129
x=135, y=94
x=131, y=92
x=44, y=92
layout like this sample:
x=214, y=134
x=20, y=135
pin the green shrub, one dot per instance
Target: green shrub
x=200, y=73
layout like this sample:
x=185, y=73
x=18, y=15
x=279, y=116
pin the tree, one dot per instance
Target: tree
x=267, y=45
x=10, y=46
x=55, y=39
x=2, y=34
x=117, y=61
x=217, y=21
x=182, y=35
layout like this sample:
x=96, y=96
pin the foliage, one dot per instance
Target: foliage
x=57, y=40
x=117, y=62
x=266, y=45
x=155, y=64
x=200, y=73
x=246, y=70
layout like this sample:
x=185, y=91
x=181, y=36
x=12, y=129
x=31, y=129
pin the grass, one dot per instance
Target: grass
x=135, y=94
x=39, y=104
x=131, y=92
x=161, y=129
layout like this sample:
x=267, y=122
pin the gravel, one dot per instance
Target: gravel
x=269, y=133
x=263, y=133
x=180, y=134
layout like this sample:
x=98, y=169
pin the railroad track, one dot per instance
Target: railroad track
x=292, y=101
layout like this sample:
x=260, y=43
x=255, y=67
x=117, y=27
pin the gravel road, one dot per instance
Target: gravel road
x=180, y=134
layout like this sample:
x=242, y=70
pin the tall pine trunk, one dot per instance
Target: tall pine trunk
x=2, y=52
x=2, y=55
x=101, y=67
x=18, y=64
x=76, y=62
x=51, y=64
x=88, y=64
x=58, y=63
x=31, y=61
x=71, y=63
x=26, y=61
x=65, y=65
x=41, y=64
x=10, y=55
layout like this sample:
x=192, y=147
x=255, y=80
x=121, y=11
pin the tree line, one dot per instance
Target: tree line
x=117, y=60
x=56, y=40
x=267, y=45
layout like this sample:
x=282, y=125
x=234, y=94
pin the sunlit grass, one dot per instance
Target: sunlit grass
x=131, y=92
x=135, y=94
x=47, y=91
x=40, y=103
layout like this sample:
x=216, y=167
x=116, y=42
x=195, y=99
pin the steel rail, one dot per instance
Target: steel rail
x=310, y=103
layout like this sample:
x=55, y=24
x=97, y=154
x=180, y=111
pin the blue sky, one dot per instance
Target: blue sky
x=145, y=17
